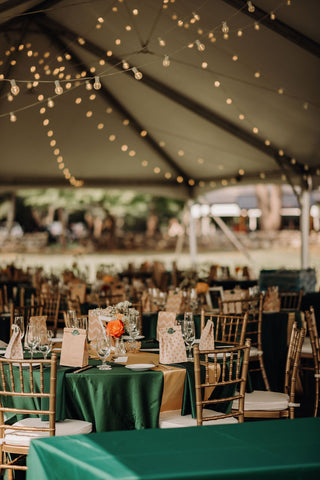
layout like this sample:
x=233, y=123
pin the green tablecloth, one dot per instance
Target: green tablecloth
x=276, y=449
x=117, y=399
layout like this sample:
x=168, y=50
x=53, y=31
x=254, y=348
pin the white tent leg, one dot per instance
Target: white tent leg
x=304, y=227
x=192, y=237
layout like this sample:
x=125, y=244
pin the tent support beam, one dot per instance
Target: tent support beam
x=304, y=227
x=80, y=66
x=178, y=97
x=231, y=236
x=277, y=26
x=192, y=237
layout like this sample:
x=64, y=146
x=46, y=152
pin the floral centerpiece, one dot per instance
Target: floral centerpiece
x=121, y=315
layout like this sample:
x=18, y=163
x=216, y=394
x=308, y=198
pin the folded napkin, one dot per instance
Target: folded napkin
x=175, y=302
x=165, y=320
x=207, y=337
x=95, y=326
x=14, y=348
x=171, y=345
x=271, y=301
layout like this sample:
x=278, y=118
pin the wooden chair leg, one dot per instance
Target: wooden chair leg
x=263, y=372
x=316, y=400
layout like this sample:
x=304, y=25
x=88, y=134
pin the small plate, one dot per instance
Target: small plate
x=127, y=337
x=140, y=367
x=149, y=350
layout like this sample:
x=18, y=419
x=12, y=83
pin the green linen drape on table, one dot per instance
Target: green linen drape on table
x=117, y=399
x=267, y=450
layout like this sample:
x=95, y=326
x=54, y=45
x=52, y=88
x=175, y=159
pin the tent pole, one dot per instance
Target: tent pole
x=192, y=237
x=304, y=227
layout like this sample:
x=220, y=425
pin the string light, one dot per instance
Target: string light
x=137, y=74
x=97, y=83
x=166, y=61
x=88, y=85
x=200, y=46
x=272, y=15
x=251, y=7
x=58, y=89
x=225, y=28
x=13, y=118
x=125, y=65
x=14, y=87
x=162, y=42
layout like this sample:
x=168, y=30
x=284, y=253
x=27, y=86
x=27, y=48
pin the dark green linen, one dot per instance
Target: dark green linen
x=117, y=399
x=274, y=346
x=276, y=449
x=5, y=327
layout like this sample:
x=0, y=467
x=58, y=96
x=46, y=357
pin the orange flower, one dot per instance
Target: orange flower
x=115, y=328
x=202, y=287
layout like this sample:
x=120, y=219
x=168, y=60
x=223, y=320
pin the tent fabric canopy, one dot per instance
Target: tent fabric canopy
x=225, y=111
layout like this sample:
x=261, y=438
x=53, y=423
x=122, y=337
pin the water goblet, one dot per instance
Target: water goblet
x=103, y=348
x=32, y=339
x=45, y=345
x=188, y=333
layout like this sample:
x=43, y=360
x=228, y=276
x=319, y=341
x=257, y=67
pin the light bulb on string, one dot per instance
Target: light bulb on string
x=196, y=16
x=13, y=118
x=162, y=42
x=272, y=16
x=88, y=85
x=58, y=89
x=97, y=83
x=14, y=87
x=50, y=103
x=225, y=28
x=166, y=61
x=125, y=65
x=251, y=7
x=137, y=74
x=200, y=46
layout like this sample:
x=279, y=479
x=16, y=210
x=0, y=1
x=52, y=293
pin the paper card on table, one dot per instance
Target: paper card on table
x=171, y=345
x=40, y=324
x=165, y=320
x=175, y=302
x=95, y=328
x=78, y=290
x=207, y=337
x=147, y=303
x=14, y=348
x=74, y=352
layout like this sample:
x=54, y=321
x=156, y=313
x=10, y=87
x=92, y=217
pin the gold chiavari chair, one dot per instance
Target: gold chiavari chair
x=226, y=369
x=290, y=300
x=228, y=329
x=310, y=354
x=254, y=308
x=268, y=404
x=22, y=380
x=50, y=307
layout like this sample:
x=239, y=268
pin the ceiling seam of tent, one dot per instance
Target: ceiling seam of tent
x=188, y=103
x=78, y=63
x=279, y=27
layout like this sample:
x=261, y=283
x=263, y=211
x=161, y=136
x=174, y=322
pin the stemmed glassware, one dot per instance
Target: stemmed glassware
x=19, y=321
x=45, y=344
x=188, y=333
x=103, y=348
x=32, y=339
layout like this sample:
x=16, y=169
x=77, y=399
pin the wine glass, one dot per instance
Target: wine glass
x=103, y=348
x=32, y=339
x=71, y=319
x=19, y=321
x=45, y=345
x=188, y=333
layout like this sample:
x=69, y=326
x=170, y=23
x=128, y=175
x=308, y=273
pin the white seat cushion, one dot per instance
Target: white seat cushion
x=263, y=400
x=65, y=427
x=254, y=352
x=174, y=419
x=306, y=346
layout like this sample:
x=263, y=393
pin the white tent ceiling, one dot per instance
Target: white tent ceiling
x=174, y=131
